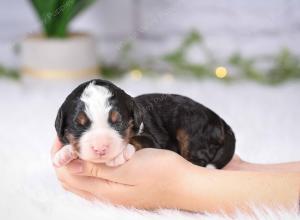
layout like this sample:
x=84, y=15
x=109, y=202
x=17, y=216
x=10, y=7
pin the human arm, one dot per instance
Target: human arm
x=215, y=190
x=238, y=164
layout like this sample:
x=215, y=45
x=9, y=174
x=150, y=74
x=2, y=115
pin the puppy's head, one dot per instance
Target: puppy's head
x=98, y=119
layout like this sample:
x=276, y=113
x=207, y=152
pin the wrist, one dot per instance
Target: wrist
x=184, y=192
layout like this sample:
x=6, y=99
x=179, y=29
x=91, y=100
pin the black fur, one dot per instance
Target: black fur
x=210, y=139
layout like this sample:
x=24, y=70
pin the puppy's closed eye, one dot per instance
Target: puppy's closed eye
x=114, y=117
x=82, y=119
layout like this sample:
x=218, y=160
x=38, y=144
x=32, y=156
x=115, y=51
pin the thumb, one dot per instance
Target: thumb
x=57, y=145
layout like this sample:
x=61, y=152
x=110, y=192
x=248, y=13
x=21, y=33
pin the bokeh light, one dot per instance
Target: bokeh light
x=169, y=77
x=221, y=72
x=136, y=74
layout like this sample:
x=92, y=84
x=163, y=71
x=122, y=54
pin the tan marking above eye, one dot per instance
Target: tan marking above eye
x=115, y=116
x=82, y=118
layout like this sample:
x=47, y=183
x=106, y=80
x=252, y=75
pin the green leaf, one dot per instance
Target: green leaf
x=44, y=10
x=56, y=15
x=63, y=17
x=80, y=6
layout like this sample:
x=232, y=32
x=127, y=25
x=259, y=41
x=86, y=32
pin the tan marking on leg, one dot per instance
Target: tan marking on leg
x=137, y=145
x=183, y=142
x=73, y=142
x=129, y=137
x=129, y=133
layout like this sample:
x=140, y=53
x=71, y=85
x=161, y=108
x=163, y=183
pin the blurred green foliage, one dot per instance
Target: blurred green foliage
x=178, y=58
x=9, y=73
x=281, y=67
x=285, y=66
x=56, y=15
x=179, y=62
x=277, y=68
x=111, y=71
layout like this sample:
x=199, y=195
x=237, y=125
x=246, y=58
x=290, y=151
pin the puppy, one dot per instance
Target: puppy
x=99, y=122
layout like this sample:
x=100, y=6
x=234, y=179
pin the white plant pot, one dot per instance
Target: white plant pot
x=72, y=57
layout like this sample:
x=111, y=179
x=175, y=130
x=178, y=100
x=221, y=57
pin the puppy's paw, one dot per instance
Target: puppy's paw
x=211, y=166
x=129, y=151
x=64, y=156
x=122, y=157
x=117, y=161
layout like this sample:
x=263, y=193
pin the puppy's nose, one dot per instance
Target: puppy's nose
x=100, y=150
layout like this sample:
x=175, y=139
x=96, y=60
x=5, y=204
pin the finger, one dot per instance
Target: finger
x=88, y=169
x=111, y=195
x=83, y=194
x=96, y=186
x=57, y=145
x=126, y=174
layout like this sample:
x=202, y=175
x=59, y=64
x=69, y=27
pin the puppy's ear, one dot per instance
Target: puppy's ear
x=60, y=124
x=137, y=116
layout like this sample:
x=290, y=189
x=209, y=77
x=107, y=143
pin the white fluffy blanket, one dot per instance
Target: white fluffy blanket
x=265, y=120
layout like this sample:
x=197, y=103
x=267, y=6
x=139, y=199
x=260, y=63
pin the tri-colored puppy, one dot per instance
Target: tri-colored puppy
x=99, y=122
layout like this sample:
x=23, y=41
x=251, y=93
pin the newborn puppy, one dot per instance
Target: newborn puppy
x=99, y=122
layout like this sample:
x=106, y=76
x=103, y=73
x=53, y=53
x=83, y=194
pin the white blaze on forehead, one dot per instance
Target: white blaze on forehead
x=96, y=102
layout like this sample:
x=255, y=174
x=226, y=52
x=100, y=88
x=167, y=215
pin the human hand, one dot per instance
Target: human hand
x=150, y=179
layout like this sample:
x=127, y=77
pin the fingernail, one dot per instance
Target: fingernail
x=76, y=166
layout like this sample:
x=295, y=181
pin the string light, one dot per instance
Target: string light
x=136, y=74
x=168, y=77
x=221, y=72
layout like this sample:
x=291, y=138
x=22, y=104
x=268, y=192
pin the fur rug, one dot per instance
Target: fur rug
x=265, y=120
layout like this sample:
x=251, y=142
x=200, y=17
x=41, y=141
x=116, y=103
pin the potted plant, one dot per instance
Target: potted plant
x=57, y=53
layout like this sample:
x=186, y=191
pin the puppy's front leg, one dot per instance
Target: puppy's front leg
x=64, y=156
x=122, y=157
